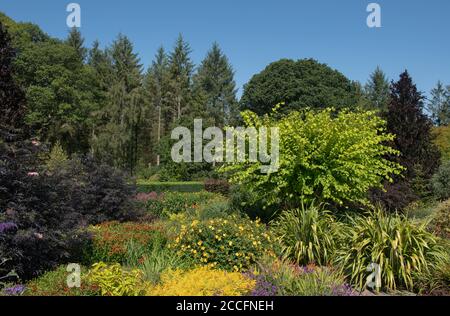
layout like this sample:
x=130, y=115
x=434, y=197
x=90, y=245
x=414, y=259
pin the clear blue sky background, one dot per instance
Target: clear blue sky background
x=253, y=33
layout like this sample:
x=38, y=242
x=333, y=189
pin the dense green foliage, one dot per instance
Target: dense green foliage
x=100, y=100
x=159, y=187
x=377, y=91
x=177, y=202
x=12, y=98
x=215, y=79
x=439, y=105
x=323, y=157
x=441, y=181
x=300, y=84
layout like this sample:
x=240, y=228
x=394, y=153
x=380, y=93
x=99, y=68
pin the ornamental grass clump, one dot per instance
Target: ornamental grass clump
x=290, y=279
x=307, y=235
x=203, y=281
x=399, y=247
x=231, y=243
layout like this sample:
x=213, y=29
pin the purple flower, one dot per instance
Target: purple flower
x=5, y=227
x=263, y=287
x=344, y=290
x=307, y=269
x=15, y=290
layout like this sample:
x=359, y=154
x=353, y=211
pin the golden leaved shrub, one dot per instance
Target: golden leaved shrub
x=203, y=281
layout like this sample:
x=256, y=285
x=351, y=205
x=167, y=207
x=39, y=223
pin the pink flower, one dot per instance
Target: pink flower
x=33, y=174
x=38, y=236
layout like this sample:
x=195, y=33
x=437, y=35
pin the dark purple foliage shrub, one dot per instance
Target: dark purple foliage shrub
x=414, y=140
x=42, y=216
x=42, y=213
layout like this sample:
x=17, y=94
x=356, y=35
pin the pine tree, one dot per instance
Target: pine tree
x=377, y=91
x=118, y=140
x=76, y=40
x=101, y=62
x=157, y=87
x=439, y=105
x=181, y=69
x=215, y=77
x=12, y=98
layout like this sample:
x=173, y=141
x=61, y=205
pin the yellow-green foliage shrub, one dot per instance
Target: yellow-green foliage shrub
x=203, y=281
x=57, y=158
x=232, y=243
x=440, y=225
x=442, y=140
x=113, y=280
x=54, y=283
x=325, y=157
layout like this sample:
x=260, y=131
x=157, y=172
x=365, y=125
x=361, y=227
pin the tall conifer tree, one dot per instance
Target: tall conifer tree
x=377, y=91
x=215, y=77
x=439, y=105
x=76, y=40
x=181, y=70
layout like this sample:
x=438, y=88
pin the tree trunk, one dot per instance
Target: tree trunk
x=158, y=158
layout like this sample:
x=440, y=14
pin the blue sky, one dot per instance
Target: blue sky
x=253, y=33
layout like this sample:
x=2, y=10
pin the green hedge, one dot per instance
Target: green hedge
x=189, y=187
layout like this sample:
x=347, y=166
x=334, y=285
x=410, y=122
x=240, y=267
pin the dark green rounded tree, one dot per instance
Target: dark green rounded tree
x=299, y=84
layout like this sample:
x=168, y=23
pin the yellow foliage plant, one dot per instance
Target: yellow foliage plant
x=202, y=281
x=112, y=280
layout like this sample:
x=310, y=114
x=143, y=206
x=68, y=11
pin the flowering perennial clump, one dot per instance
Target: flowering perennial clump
x=111, y=239
x=8, y=226
x=232, y=243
